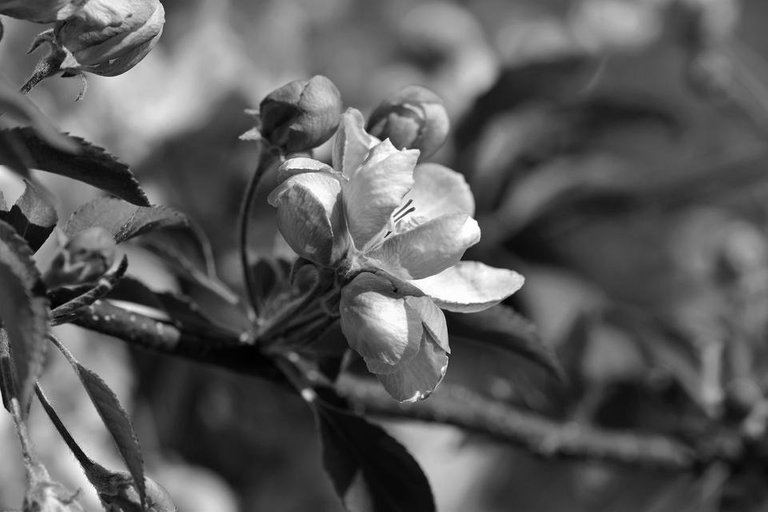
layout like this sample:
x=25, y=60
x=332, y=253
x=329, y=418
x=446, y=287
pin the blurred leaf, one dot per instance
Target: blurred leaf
x=503, y=328
x=123, y=220
x=573, y=350
x=271, y=285
x=266, y=275
x=22, y=109
x=548, y=81
x=33, y=216
x=14, y=155
x=24, y=311
x=188, y=254
x=89, y=164
x=117, y=422
x=185, y=314
x=370, y=470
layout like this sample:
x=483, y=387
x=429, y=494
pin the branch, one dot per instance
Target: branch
x=548, y=438
x=165, y=338
x=449, y=405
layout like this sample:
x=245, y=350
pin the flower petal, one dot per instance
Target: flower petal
x=375, y=189
x=301, y=165
x=417, y=379
x=432, y=319
x=352, y=143
x=438, y=190
x=309, y=216
x=428, y=248
x=377, y=322
x=470, y=286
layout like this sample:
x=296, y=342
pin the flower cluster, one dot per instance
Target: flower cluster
x=394, y=232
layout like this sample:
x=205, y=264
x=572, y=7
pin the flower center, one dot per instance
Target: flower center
x=400, y=215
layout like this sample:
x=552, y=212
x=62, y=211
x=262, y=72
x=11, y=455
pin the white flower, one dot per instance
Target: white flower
x=395, y=232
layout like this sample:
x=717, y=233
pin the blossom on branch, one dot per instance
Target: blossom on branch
x=395, y=233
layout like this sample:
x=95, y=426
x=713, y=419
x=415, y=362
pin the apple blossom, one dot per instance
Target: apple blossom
x=394, y=232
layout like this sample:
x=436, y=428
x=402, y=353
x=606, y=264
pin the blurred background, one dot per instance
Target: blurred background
x=617, y=150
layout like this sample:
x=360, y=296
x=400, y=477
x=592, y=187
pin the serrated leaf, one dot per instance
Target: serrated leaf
x=503, y=328
x=33, y=216
x=88, y=163
x=370, y=470
x=19, y=107
x=24, y=312
x=123, y=220
x=117, y=422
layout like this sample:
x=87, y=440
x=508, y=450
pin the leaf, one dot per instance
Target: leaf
x=503, y=328
x=117, y=422
x=370, y=470
x=89, y=164
x=188, y=254
x=123, y=220
x=24, y=311
x=14, y=155
x=185, y=314
x=20, y=107
x=32, y=216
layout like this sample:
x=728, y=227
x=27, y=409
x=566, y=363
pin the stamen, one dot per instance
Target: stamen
x=405, y=214
x=400, y=211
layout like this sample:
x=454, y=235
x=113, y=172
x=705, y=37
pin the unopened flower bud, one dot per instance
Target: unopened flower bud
x=83, y=259
x=108, y=37
x=40, y=11
x=413, y=118
x=302, y=114
x=104, y=37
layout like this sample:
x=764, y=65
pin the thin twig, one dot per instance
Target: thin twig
x=268, y=157
x=148, y=333
x=23, y=433
x=450, y=405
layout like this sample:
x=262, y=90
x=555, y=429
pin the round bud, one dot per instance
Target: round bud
x=83, y=259
x=39, y=11
x=109, y=37
x=413, y=118
x=302, y=114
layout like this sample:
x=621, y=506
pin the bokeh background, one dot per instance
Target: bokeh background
x=617, y=150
